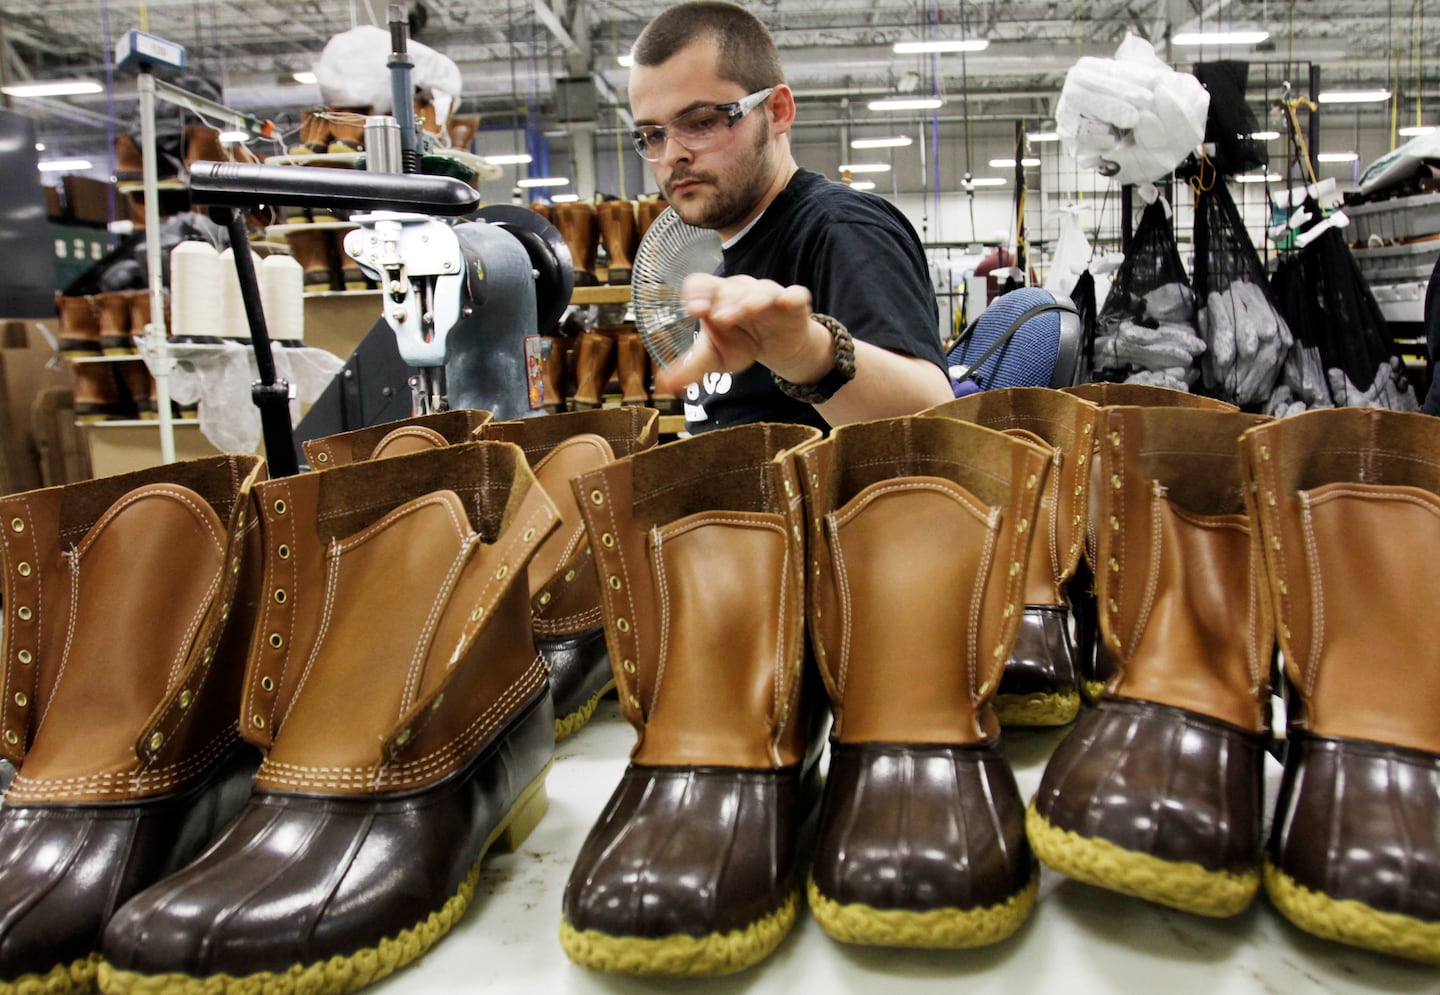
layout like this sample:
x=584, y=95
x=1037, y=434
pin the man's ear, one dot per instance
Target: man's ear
x=782, y=109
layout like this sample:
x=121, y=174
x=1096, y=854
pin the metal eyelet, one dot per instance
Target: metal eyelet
x=283, y=552
x=280, y=595
x=157, y=741
x=18, y=524
x=267, y=684
x=322, y=457
x=185, y=699
x=24, y=569
x=280, y=506
x=25, y=613
x=276, y=640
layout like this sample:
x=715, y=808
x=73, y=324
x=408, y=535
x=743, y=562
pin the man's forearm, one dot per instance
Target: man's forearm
x=886, y=384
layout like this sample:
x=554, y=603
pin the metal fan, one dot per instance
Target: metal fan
x=670, y=251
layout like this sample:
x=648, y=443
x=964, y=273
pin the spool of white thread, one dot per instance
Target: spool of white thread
x=195, y=272
x=282, y=292
x=235, y=325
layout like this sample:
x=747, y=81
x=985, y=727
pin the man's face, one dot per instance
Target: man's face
x=720, y=186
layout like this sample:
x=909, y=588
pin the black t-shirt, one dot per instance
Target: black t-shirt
x=863, y=264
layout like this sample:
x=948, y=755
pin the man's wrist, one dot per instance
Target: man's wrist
x=835, y=374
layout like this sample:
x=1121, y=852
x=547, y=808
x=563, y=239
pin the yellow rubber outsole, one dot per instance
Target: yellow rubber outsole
x=342, y=974
x=1092, y=690
x=1183, y=885
x=1348, y=921
x=62, y=979
x=1037, y=709
x=568, y=725
x=941, y=929
x=681, y=955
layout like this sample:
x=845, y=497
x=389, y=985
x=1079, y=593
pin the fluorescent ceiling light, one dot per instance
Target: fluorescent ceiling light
x=544, y=181
x=1028, y=162
x=1371, y=96
x=865, y=167
x=39, y=146
x=64, y=165
x=1337, y=157
x=959, y=45
x=1044, y=136
x=519, y=159
x=231, y=137
x=897, y=142
x=1416, y=130
x=863, y=184
x=627, y=60
x=305, y=77
x=564, y=198
x=1264, y=136
x=1256, y=178
x=988, y=181
x=1243, y=37
x=52, y=88
x=906, y=104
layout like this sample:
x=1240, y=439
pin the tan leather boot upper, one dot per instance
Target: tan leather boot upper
x=1065, y=425
x=1331, y=492
x=900, y=509
x=1178, y=583
x=395, y=628
x=409, y=435
x=127, y=607
x=699, y=551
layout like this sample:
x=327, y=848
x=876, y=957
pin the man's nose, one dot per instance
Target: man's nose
x=673, y=151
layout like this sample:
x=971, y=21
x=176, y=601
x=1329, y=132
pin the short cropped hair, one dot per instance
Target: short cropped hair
x=747, y=53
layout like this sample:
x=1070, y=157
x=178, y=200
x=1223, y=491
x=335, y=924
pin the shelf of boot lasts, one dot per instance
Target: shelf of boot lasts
x=604, y=294
x=138, y=186
x=478, y=165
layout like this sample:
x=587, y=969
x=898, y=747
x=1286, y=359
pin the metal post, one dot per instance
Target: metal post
x=156, y=343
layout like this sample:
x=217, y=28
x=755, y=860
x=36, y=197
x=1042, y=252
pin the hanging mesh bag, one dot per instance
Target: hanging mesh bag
x=1146, y=330
x=1245, y=336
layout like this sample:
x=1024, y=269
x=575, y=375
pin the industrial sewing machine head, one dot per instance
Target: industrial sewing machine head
x=466, y=301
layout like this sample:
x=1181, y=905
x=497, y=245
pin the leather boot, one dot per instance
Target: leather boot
x=922, y=834
x=1348, y=503
x=97, y=394
x=647, y=209
x=1156, y=792
x=541, y=208
x=129, y=160
x=693, y=868
x=418, y=433
x=314, y=133
x=314, y=250
x=128, y=602
x=112, y=311
x=462, y=130
x=564, y=591
x=138, y=385
x=630, y=365
x=202, y=144
x=347, y=128
x=404, y=734
x=1093, y=660
x=79, y=326
x=552, y=372
x=576, y=222
x=661, y=399
x=594, y=364
x=1039, y=686
x=138, y=301
x=620, y=238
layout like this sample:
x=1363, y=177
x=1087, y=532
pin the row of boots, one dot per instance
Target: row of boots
x=579, y=369
x=100, y=325
x=617, y=225
x=344, y=687
x=747, y=584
